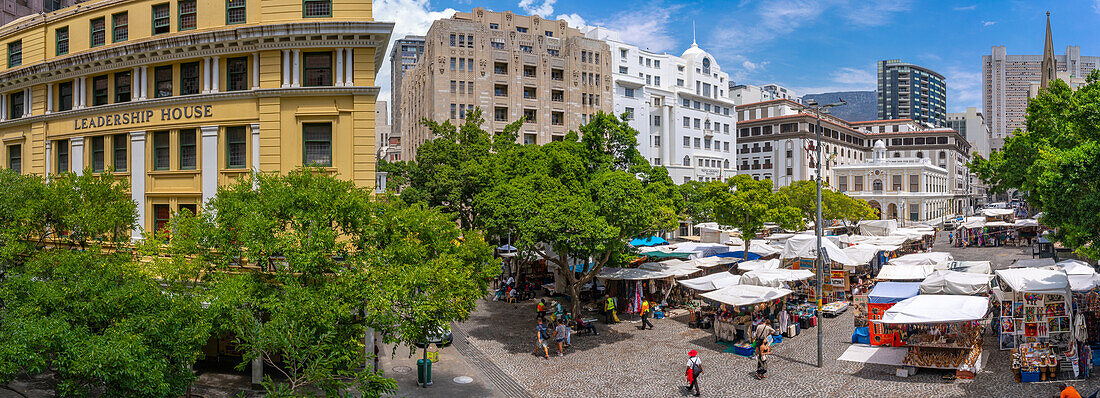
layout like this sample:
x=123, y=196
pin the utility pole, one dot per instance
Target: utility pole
x=820, y=268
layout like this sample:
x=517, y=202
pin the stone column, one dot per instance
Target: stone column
x=137, y=180
x=205, y=75
x=254, y=128
x=339, y=67
x=76, y=155
x=144, y=82
x=135, y=86
x=49, y=159
x=296, y=70
x=49, y=98
x=286, y=68
x=3, y=107
x=215, y=76
x=27, y=93
x=209, y=162
x=349, y=67
x=255, y=70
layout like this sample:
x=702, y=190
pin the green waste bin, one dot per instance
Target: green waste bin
x=424, y=372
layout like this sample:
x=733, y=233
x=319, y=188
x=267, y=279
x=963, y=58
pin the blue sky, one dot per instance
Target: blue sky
x=809, y=46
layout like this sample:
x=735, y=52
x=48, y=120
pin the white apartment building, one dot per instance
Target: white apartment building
x=747, y=93
x=911, y=190
x=685, y=119
x=1006, y=80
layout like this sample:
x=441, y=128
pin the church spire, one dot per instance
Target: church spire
x=1049, y=64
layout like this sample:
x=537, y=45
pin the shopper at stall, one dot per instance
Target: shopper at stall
x=694, y=370
x=609, y=310
x=542, y=335
x=644, y=311
x=762, y=337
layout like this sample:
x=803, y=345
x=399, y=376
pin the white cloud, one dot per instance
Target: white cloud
x=988, y=23
x=843, y=79
x=971, y=7
x=410, y=17
x=644, y=27
x=1096, y=6
x=964, y=88
x=574, y=20
x=544, y=9
x=774, y=19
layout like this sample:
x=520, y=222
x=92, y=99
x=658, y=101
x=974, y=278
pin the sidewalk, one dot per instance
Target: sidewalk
x=451, y=364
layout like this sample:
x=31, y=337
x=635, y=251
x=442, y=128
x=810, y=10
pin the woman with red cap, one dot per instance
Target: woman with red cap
x=694, y=370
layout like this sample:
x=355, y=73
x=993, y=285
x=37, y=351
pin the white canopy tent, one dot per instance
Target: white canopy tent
x=775, y=277
x=1082, y=276
x=877, y=227
x=673, y=270
x=930, y=259
x=1075, y=267
x=997, y=212
x=886, y=241
x=1027, y=222
x=975, y=267
x=741, y=295
x=707, y=262
x=864, y=253
x=700, y=250
x=900, y=272
x=757, y=265
x=760, y=248
x=973, y=222
x=803, y=246
x=931, y=308
x=631, y=274
x=712, y=281
x=953, y=282
x=1034, y=280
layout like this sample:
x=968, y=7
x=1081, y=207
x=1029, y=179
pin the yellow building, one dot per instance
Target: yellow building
x=181, y=96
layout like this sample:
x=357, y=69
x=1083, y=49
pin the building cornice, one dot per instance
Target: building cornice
x=226, y=40
x=196, y=98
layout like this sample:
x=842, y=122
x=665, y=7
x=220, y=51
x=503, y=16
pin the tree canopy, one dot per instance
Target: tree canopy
x=1056, y=161
x=834, y=205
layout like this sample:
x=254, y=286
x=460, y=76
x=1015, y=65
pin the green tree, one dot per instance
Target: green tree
x=324, y=263
x=1056, y=161
x=834, y=205
x=579, y=201
x=747, y=204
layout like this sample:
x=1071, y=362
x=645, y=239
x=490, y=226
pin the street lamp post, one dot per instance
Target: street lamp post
x=818, y=110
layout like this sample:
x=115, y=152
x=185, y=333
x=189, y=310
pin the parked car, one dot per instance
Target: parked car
x=440, y=337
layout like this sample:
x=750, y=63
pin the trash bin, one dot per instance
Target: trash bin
x=423, y=372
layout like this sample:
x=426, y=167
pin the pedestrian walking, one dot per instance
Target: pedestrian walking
x=561, y=332
x=694, y=370
x=645, y=311
x=609, y=310
x=540, y=308
x=763, y=348
x=542, y=335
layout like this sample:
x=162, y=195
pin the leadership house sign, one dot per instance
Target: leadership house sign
x=146, y=116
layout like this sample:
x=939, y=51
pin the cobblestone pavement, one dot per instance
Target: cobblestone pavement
x=627, y=362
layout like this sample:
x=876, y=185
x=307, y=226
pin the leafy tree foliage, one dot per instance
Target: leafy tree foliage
x=834, y=205
x=325, y=263
x=747, y=204
x=1056, y=162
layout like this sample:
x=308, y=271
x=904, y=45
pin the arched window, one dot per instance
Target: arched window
x=943, y=155
x=920, y=155
x=687, y=161
x=706, y=66
x=726, y=164
x=877, y=185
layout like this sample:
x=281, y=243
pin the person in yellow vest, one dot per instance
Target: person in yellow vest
x=609, y=310
x=644, y=311
x=540, y=308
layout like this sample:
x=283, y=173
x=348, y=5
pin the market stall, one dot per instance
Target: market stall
x=941, y=331
x=975, y=267
x=880, y=299
x=1036, y=322
x=931, y=259
x=775, y=277
x=741, y=307
x=900, y=272
x=956, y=283
x=800, y=252
x=754, y=265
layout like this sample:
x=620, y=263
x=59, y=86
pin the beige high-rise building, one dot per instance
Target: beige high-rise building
x=510, y=66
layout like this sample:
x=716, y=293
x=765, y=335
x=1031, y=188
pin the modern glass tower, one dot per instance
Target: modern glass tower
x=907, y=91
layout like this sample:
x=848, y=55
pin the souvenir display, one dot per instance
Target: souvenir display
x=946, y=345
x=1036, y=318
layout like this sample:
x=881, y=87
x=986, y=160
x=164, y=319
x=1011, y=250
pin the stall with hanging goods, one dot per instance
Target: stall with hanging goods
x=880, y=299
x=740, y=308
x=940, y=331
x=1036, y=324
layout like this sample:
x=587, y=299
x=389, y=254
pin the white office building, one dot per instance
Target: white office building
x=747, y=93
x=911, y=190
x=679, y=105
